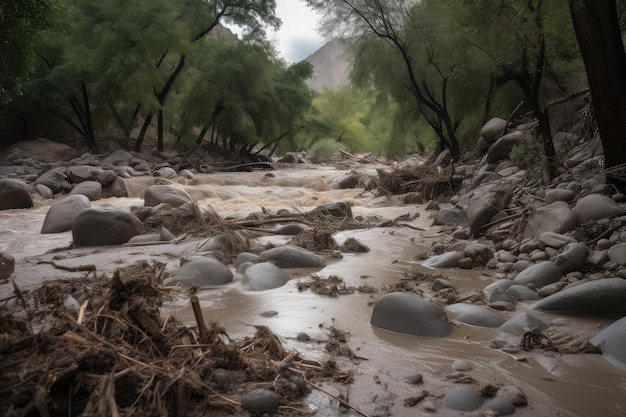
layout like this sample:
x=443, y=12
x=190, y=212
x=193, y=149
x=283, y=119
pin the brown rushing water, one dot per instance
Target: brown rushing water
x=568, y=385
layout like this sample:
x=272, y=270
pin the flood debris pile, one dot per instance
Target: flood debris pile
x=430, y=181
x=117, y=356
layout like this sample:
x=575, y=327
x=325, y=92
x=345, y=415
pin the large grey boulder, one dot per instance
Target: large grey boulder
x=201, y=271
x=613, y=342
x=484, y=203
x=559, y=194
x=463, y=398
x=157, y=194
x=493, y=129
x=557, y=217
x=91, y=189
x=119, y=187
x=54, y=179
x=62, y=214
x=105, y=226
x=119, y=157
x=445, y=260
x=595, y=207
x=264, y=276
x=289, y=256
x=14, y=194
x=80, y=173
x=518, y=323
x=602, y=296
x=502, y=147
x=572, y=258
x=450, y=216
x=409, y=314
x=617, y=253
x=539, y=274
x=475, y=315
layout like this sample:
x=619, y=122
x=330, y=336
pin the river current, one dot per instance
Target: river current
x=556, y=385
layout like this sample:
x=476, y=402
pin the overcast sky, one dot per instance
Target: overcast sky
x=297, y=37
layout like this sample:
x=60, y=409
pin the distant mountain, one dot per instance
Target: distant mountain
x=330, y=66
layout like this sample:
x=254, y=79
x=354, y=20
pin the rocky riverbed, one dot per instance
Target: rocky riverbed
x=435, y=290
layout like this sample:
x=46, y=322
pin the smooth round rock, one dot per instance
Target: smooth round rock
x=602, y=296
x=61, y=215
x=409, y=314
x=157, y=194
x=264, y=276
x=105, y=226
x=289, y=256
x=7, y=265
x=461, y=365
x=596, y=206
x=260, y=401
x=502, y=406
x=518, y=323
x=475, y=315
x=613, y=342
x=201, y=271
x=463, y=399
x=90, y=189
x=445, y=260
x=514, y=394
x=540, y=274
x=14, y=194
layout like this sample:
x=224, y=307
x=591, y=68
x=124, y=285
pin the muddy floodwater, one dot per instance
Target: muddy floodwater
x=556, y=385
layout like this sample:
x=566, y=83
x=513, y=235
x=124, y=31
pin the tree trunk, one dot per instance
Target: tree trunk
x=599, y=38
x=160, y=145
x=142, y=133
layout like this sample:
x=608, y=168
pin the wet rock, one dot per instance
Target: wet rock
x=62, y=214
x=106, y=177
x=613, y=342
x=500, y=405
x=260, y=401
x=484, y=203
x=551, y=289
x=185, y=173
x=119, y=157
x=559, y=194
x=105, y=226
x=466, y=263
x=493, y=129
x=165, y=172
x=463, y=399
x=288, y=256
x=502, y=284
x=80, y=173
x=557, y=217
x=264, y=276
x=175, y=197
x=440, y=284
x=514, y=394
x=409, y=314
x=596, y=206
x=502, y=147
x=349, y=181
x=339, y=209
x=44, y=191
x=602, y=296
x=290, y=229
x=555, y=240
x=518, y=323
x=479, y=252
x=461, y=365
x=501, y=294
x=617, y=254
x=53, y=179
x=522, y=293
x=475, y=315
x=145, y=238
x=450, y=216
x=414, y=379
x=502, y=305
x=119, y=187
x=91, y=189
x=572, y=258
x=540, y=274
x=246, y=257
x=7, y=265
x=201, y=271
x=445, y=260
x=14, y=194
x=485, y=177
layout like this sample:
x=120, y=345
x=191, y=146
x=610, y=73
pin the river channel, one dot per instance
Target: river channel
x=556, y=385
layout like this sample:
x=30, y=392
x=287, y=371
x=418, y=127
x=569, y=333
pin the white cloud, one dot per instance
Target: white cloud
x=297, y=37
